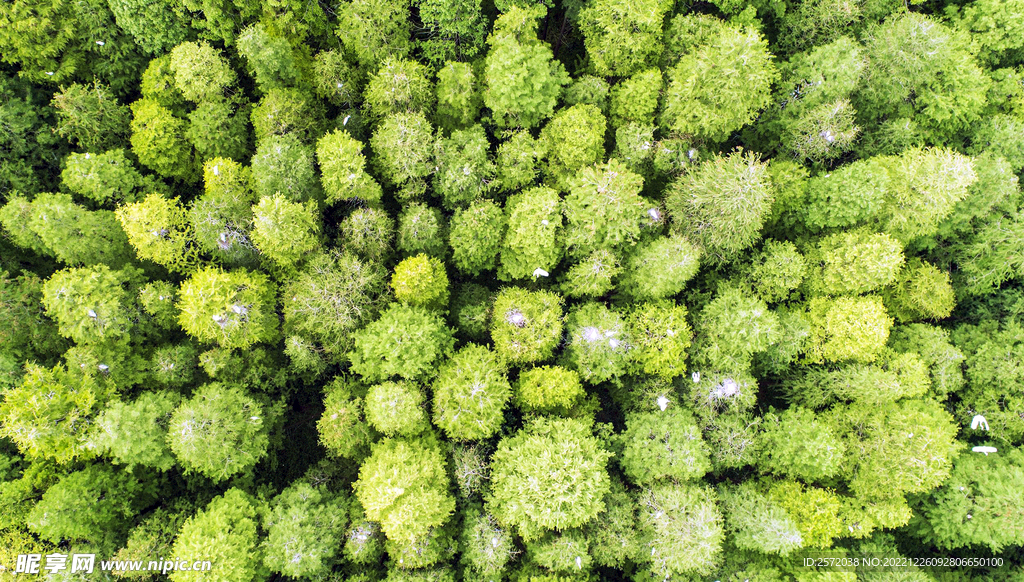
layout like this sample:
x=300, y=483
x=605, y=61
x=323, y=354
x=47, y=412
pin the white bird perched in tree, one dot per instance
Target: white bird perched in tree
x=985, y=450
x=979, y=421
x=538, y=272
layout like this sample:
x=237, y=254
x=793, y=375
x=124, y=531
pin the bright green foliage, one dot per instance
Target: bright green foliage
x=403, y=146
x=225, y=533
x=799, y=445
x=977, y=505
x=815, y=511
x=337, y=79
x=470, y=394
x=895, y=375
x=218, y=129
x=102, y=178
x=659, y=336
x=369, y=233
x=926, y=185
x=716, y=394
x=47, y=414
x=422, y=229
x=158, y=140
x=592, y=276
x=635, y=146
x=343, y=169
x=221, y=216
x=573, y=139
x=999, y=136
x=518, y=161
x=923, y=69
x=532, y=239
x=526, y=325
x=681, y=529
x=550, y=475
x=403, y=486
x=777, y=269
x=464, y=168
x=406, y=341
x=421, y=281
x=373, y=30
x=486, y=546
x=854, y=262
x=93, y=304
x=937, y=352
x=622, y=38
x=399, y=86
x=285, y=231
x=897, y=447
x=91, y=117
x=921, y=291
x=333, y=295
x=476, y=236
x=159, y=231
x=270, y=59
x=522, y=79
x=850, y=195
x=599, y=343
x=635, y=99
x=343, y=428
x=603, y=208
x=548, y=389
x=660, y=268
x=287, y=111
x=135, y=433
x=236, y=309
x=91, y=504
x=433, y=547
x=456, y=30
x=219, y=432
x=663, y=445
x=612, y=535
x=158, y=84
x=200, y=72
x=823, y=133
x=304, y=529
x=847, y=328
x=458, y=96
x=732, y=328
x=721, y=80
x=564, y=552
x=284, y=165
x=996, y=26
x=721, y=204
x=153, y=536
x=396, y=409
x=50, y=220
x=757, y=523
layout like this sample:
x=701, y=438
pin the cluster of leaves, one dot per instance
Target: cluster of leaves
x=438, y=290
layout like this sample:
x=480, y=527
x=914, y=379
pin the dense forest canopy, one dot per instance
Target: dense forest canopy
x=512, y=291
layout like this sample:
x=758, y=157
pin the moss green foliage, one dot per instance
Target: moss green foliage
x=470, y=393
x=405, y=341
x=556, y=470
x=476, y=235
x=512, y=291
